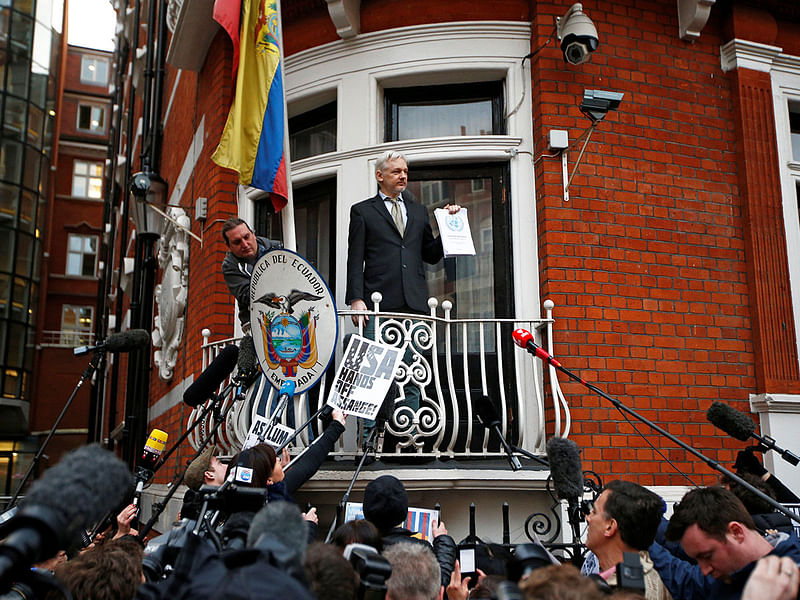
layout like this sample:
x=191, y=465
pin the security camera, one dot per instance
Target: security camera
x=596, y=103
x=577, y=34
x=140, y=185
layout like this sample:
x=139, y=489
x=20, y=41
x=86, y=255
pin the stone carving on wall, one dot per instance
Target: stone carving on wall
x=171, y=293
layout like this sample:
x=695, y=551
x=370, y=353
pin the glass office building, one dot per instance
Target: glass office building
x=31, y=46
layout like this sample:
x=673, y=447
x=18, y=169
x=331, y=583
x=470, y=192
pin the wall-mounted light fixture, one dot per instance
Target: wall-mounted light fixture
x=148, y=208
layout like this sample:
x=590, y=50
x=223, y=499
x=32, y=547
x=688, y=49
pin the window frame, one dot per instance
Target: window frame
x=88, y=178
x=92, y=107
x=84, y=67
x=394, y=97
x=84, y=237
x=72, y=337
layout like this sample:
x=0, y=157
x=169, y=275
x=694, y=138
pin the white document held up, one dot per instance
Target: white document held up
x=454, y=232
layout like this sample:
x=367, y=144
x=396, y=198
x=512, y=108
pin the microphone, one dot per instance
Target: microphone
x=487, y=416
x=524, y=339
x=209, y=380
x=118, y=342
x=153, y=447
x=738, y=425
x=565, y=468
x=71, y=496
x=247, y=366
x=286, y=392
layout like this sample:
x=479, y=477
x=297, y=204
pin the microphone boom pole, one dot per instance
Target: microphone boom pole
x=528, y=344
x=94, y=362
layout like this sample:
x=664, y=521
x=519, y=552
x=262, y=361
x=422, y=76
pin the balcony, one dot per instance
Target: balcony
x=66, y=338
x=450, y=379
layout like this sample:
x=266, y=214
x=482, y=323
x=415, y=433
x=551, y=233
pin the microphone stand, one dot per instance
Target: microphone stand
x=297, y=431
x=530, y=455
x=94, y=363
x=158, y=507
x=370, y=447
x=544, y=355
x=216, y=401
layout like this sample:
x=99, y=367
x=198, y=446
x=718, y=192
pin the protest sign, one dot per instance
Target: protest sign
x=364, y=376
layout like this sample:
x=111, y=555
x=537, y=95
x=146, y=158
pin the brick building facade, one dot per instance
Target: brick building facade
x=674, y=262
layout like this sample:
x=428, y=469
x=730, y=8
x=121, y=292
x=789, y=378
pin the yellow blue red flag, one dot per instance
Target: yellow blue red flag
x=252, y=141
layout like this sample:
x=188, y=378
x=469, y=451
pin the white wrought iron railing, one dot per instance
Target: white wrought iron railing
x=450, y=380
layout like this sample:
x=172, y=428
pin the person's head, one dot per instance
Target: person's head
x=715, y=529
x=391, y=171
x=283, y=522
x=206, y=469
x=559, y=582
x=416, y=574
x=239, y=238
x=261, y=458
x=357, y=531
x=112, y=571
x=754, y=504
x=329, y=574
x=385, y=502
x=624, y=512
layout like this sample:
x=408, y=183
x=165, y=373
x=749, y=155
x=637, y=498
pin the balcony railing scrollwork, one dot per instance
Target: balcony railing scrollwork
x=452, y=363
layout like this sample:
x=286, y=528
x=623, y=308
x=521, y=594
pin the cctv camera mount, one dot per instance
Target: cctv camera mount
x=597, y=103
x=577, y=34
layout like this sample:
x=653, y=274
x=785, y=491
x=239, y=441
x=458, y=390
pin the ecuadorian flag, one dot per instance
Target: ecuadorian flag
x=252, y=142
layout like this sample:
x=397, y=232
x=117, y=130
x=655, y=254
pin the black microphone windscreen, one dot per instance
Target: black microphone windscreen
x=486, y=412
x=387, y=407
x=736, y=424
x=127, y=340
x=82, y=487
x=248, y=359
x=210, y=379
x=565, y=467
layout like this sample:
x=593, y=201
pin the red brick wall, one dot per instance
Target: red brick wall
x=205, y=95
x=646, y=262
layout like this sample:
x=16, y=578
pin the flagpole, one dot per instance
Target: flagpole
x=287, y=214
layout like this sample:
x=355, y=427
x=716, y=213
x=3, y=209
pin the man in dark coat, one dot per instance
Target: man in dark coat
x=386, y=507
x=245, y=248
x=389, y=241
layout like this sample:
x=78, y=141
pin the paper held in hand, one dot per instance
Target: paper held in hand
x=454, y=232
x=363, y=377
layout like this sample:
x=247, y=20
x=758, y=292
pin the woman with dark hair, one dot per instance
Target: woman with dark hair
x=266, y=471
x=357, y=531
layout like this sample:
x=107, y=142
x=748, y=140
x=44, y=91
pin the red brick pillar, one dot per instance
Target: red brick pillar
x=774, y=332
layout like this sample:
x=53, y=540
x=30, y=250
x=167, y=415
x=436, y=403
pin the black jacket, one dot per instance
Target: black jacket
x=379, y=259
x=444, y=548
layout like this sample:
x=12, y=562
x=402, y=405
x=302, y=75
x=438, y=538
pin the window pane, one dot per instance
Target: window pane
x=8, y=206
x=10, y=161
x=794, y=123
x=444, y=110
x=24, y=254
x=95, y=188
x=14, y=121
x=313, y=132
x=74, y=264
x=421, y=120
x=27, y=207
x=84, y=117
x=80, y=167
x=79, y=186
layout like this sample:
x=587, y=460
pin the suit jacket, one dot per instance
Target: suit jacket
x=379, y=259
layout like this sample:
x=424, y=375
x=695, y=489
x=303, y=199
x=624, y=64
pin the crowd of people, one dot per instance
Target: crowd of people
x=711, y=546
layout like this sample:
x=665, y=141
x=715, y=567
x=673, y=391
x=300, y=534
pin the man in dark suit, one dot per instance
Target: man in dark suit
x=381, y=257
x=390, y=238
